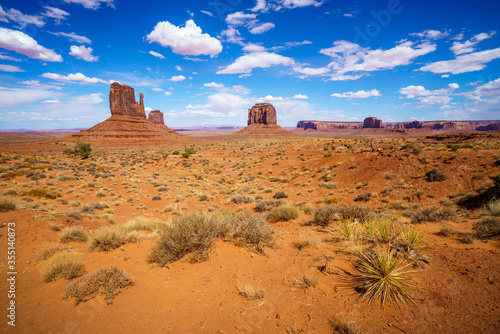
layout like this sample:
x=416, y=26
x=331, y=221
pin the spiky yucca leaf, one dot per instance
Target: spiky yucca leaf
x=382, y=275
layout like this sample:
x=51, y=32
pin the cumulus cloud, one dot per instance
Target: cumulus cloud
x=431, y=34
x=57, y=14
x=469, y=62
x=248, y=21
x=10, y=68
x=213, y=85
x=176, y=78
x=300, y=97
x=232, y=35
x=36, y=83
x=468, y=46
x=300, y=3
x=167, y=93
x=246, y=63
x=3, y=15
x=12, y=97
x=83, y=53
x=73, y=37
x=266, y=5
x=92, y=4
x=91, y=98
x=361, y=94
x=19, y=42
x=156, y=54
x=262, y=28
x=429, y=97
x=157, y=89
x=22, y=19
x=489, y=90
x=178, y=68
x=75, y=77
x=187, y=40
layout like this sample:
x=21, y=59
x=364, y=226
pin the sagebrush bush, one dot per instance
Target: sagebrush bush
x=105, y=281
x=63, y=264
x=487, y=228
x=238, y=199
x=280, y=194
x=324, y=216
x=252, y=231
x=435, y=175
x=283, y=212
x=432, y=214
x=8, y=203
x=75, y=233
x=266, y=205
x=108, y=237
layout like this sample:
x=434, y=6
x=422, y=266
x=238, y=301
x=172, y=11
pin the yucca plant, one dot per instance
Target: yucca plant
x=382, y=275
x=408, y=246
x=348, y=230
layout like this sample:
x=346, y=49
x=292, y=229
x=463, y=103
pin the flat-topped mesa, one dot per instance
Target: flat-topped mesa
x=156, y=117
x=372, y=122
x=262, y=113
x=122, y=101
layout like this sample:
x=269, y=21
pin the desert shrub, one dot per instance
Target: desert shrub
x=105, y=281
x=493, y=208
x=75, y=233
x=431, y=214
x=363, y=197
x=354, y=212
x=81, y=149
x=253, y=231
x=487, y=228
x=238, y=199
x=408, y=246
x=156, y=198
x=193, y=234
x=280, y=194
x=347, y=230
x=140, y=223
x=283, y=212
x=346, y=326
x=8, y=203
x=309, y=240
x=42, y=193
x=382, y=275
x=108, y=237
x=49, y=250
x=74, y=214
x=11, y=192
x=307, y=281
x=435, y=175
x=250, y=292
x=63, y=264
x=324, y=216
x=266, y=205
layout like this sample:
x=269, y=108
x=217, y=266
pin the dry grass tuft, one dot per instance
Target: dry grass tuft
x=487, y=228
x=108, y=237
x=105, y=281
x=253, y=231
x=250, y=292
x=42, y=193
x=309, y=240
x=74, y=233
x=63, y=264
x=8, y=203
x=284, y=212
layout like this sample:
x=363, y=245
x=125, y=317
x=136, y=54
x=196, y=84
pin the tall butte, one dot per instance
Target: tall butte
x=262, y=121
x=127, y=124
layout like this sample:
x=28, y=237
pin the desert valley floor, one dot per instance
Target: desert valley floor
x=320, y=202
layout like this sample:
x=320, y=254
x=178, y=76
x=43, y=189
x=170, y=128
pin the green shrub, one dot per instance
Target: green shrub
x=435, y=175
x=81, y=149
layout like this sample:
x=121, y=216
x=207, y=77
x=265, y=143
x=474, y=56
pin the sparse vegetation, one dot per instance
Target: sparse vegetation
x=250, y=292
x=80, y=149
x=435, y=175
x=63, y=264
x=75, y=233
x=8, y=203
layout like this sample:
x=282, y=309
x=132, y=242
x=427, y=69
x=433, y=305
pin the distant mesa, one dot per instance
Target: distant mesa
x=156, y=117
x=372, y=123
x=262, y=121
x=128, y=123
x=328, y=126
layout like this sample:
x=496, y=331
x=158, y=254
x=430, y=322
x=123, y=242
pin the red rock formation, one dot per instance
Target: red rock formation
x=156, y=117
x=328, y=126
x=372, y=123
x=399, y=126
x=490, y=127
x=262, y=113
x=122, y=101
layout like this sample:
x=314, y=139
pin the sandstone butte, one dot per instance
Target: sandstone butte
x=262, y=121
x=128, y=123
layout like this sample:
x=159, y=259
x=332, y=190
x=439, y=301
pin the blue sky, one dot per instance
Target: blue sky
x=205, y=63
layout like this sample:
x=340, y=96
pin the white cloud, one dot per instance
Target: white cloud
x=178, y=68
x=91, y=98
x=348, y=15
x=187, y=40
x=157, y=89
x=73, y=37
x=350, y=57
x=429, y=97
x=250, y=47
x=262, y=28
x=3, y=15
x=459, y=48
x=75, y=77
x=57, y=14
x=311, y=71
x=490, y=89
x=10, y=68
x=240, y=19
x=300, y=97
x=24, y=19
x=12, y=97
x=265, y=5
x=469, y=62
x=92, y=4
x=52, y=101
x=19, y=42
x=207, y=13
x=245, y=64
x=260, y=6
x=300, y=3
x=177, y=78
x=83, y=53
x=431, y=34
x=156, y=54
x=168, y=93
x=3, y=56
x=213, y=85
x=36, y=83
x=358, y=95
x=232, y=35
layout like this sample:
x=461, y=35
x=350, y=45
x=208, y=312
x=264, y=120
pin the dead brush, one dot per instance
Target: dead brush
x=382, y=275
x=105, y=281
x=253, y=231
x=250, y=292
x=347, y=230
x=74, y=233
x=63, y=264
x=309, y=240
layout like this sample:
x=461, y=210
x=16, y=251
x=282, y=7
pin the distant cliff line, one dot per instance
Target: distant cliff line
x=483, y=125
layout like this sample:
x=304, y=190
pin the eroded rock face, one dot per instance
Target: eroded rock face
x=372, y=122
x=399, y=126
x=156, y=117
x=329, y=126
x=122, y=101
x=262, y=113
